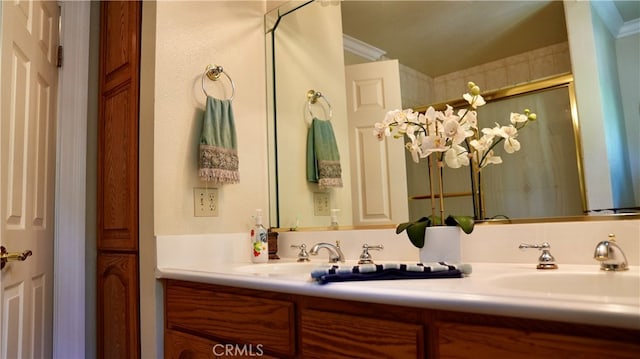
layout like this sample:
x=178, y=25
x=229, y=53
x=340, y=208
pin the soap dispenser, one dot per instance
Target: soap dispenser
x=259, y=241
x=334, y=218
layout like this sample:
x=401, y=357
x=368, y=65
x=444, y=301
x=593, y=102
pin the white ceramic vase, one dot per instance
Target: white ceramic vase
x=441, y=244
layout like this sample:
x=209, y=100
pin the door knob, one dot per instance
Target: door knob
x=10, y=257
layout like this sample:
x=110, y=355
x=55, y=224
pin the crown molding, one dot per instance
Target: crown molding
x=629, y=28
x=613, y=21
x=361, y=48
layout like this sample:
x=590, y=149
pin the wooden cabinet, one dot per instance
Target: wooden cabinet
x=231, y=318
x=456, y=340
x=186, y=346
x=336, y=335
x=117, y=191
x=118, y=303
x=201, y=318
x=118, y=126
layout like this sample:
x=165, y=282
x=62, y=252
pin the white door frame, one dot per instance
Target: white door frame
x=70, y=197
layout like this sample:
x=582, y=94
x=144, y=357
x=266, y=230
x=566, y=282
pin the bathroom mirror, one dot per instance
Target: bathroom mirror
x=305, y=52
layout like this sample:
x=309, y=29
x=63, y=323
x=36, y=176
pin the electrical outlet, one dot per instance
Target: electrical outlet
x=205, y=202
x=320, y=203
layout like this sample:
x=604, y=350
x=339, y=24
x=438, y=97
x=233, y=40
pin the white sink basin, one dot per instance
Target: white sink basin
x=596, y=283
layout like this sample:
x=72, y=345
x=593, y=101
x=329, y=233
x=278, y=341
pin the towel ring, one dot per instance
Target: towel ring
x=312, y=99
x=213, y=72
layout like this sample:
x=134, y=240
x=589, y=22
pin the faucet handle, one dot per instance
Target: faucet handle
x=303, y=255
x=365, y=257
x=546, y=260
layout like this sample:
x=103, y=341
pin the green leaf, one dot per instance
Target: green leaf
x=402, y=227
x=415, y=230
x=435, y=220
x=465, y=223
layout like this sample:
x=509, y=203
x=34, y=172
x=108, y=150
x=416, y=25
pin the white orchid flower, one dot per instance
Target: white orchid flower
x=433, y=143
x=509, y=131
x=511, y=145
x=431, y=119
x=381, y=130
x=474, y=100
x=453, y=130
x=491, y=159
x=414, y=148
x=469, y=119
x=411, y=115
x=483, y=144
x=456, y=157
x=390, y=117
x=518, y=118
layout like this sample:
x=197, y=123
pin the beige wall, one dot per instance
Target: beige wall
x=304, y=65
x=179, y=39
x=189, y=36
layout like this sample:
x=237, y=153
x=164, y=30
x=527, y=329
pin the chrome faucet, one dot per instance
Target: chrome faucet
x=546, y=260
x=365, y=257
x=335, y=254
x=303, y=255
x=610, y=255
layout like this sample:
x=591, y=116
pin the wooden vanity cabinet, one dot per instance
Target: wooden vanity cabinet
x=458, y=340
x=255, y=323
x=201, y=316
x=338, y=335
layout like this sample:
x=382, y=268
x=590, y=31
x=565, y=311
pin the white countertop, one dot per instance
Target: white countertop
x=479, y=292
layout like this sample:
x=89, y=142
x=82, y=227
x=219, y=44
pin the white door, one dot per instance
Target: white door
x=28, y=89
x=378, y=174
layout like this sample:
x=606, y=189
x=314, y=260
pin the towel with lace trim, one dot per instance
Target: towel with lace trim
x=387, y=271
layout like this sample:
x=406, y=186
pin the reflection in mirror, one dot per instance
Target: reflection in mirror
x=542, y=179
x=305, y=51
x=307, y=47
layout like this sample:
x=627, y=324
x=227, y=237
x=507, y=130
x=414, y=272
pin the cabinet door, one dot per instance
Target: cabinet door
x=118, y=126
x=333, y=335
x=457, y=340
x=118, y=302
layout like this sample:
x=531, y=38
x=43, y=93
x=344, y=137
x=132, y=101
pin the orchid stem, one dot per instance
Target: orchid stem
x=433, y=201
x=440, y=173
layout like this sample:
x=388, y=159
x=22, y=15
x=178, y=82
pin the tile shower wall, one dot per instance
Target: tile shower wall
x=419, y=89
x=513, y=70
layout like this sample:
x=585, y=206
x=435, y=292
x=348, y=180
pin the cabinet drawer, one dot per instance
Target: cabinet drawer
x=457, y=340
x=231, y=317
x=333, y=335
x=179, y=345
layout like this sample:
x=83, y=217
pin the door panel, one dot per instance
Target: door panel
x=378, y=175
x=28, y=97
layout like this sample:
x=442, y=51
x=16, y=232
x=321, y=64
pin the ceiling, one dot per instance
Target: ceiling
x=629, y=9
x=439, y=37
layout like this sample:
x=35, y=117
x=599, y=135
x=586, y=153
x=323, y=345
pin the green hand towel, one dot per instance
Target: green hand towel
x=218, y=158
x=323, y=158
